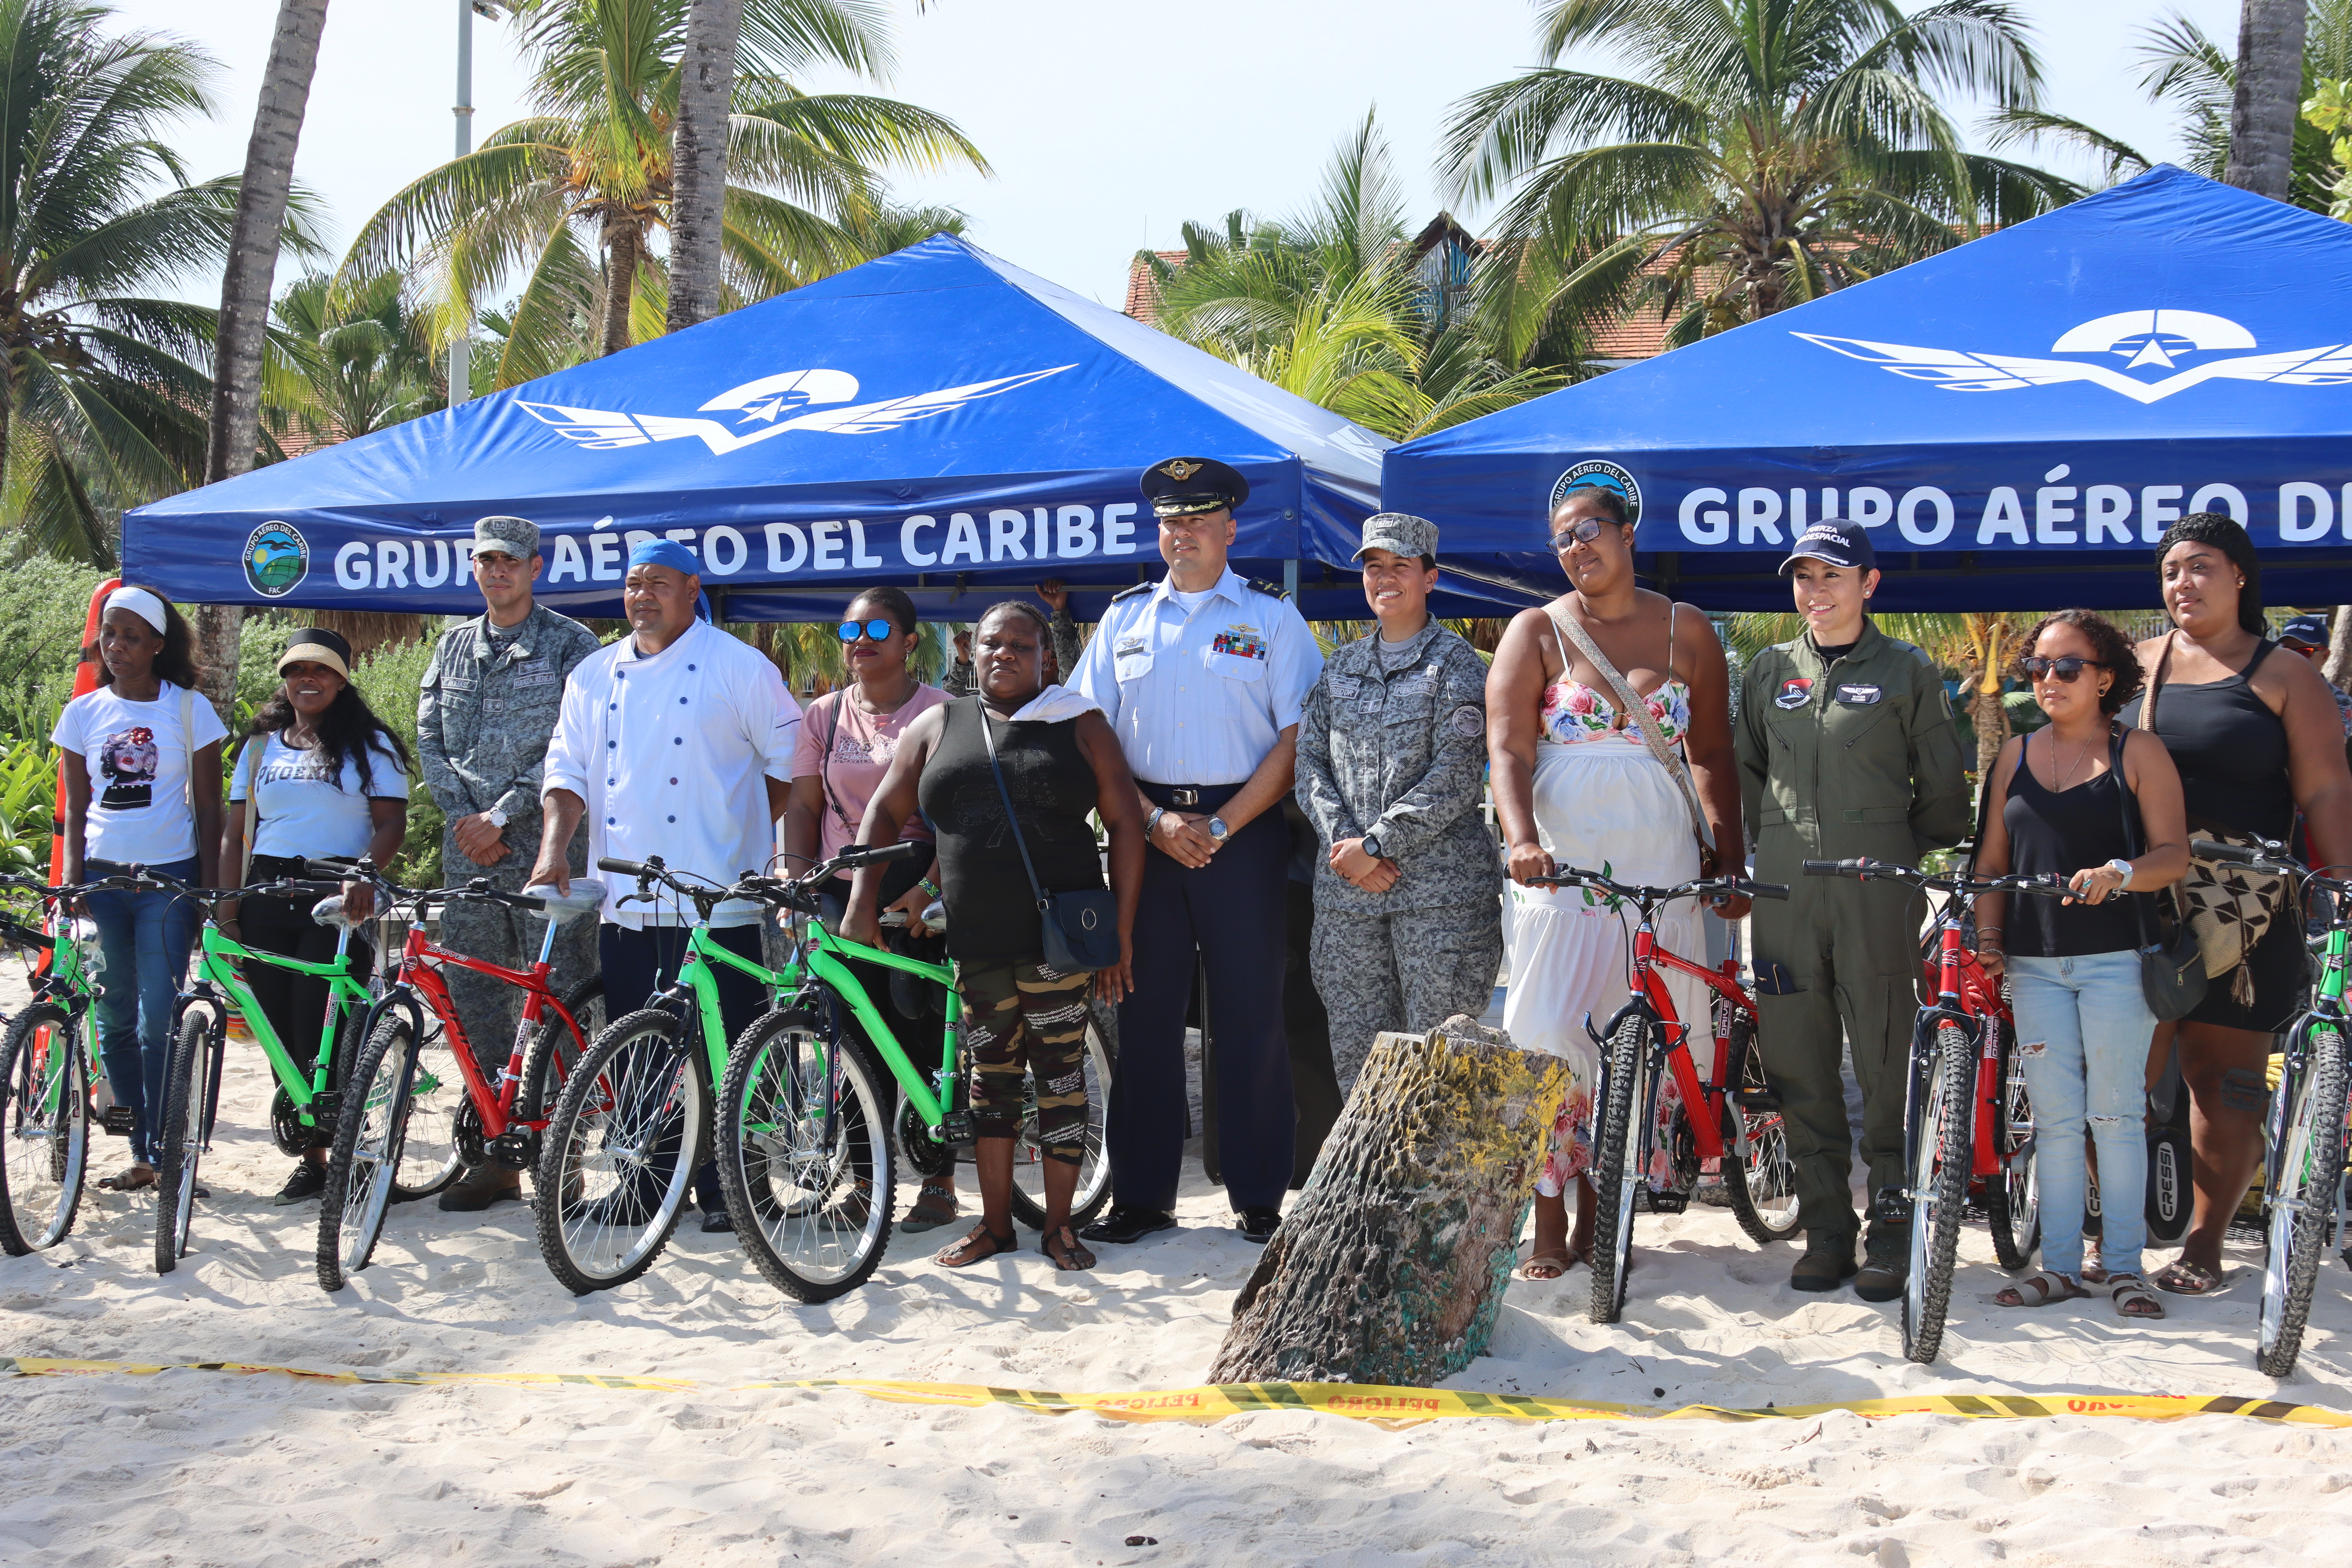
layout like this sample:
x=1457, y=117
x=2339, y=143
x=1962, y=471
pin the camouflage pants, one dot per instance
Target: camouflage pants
x=491, y=1009
x=1407, y=973
x=1018, y=1015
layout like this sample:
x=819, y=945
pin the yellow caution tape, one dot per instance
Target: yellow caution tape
x=1215, y=1402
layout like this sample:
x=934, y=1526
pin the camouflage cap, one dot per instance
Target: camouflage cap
x=515, y=536
x=1399, y=532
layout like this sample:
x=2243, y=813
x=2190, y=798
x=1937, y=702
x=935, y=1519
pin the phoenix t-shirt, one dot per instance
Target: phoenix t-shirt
x=137, y=758
x=309, y=810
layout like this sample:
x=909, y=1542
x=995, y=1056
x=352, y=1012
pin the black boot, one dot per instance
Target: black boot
x=1886, y=1262
x=1827, y=1261
x=481, y=1187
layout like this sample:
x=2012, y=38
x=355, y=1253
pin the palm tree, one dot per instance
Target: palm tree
x=699, y=140
x=1328, y=305
x=572, y=197
x=1764, y=152
x=101, y=390
x=353, y=360
x=2265, y=108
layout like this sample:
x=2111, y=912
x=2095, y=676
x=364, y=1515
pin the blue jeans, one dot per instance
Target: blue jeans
x=2082, y=1034
x=145, y=937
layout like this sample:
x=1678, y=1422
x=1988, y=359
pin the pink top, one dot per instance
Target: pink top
x=862, y=746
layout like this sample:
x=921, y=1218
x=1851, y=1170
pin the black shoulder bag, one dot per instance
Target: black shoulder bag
x=1080, y=932
x=2171, y=967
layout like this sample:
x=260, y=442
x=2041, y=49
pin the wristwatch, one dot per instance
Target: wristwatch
x=1217, y=829
x=495, y=817
x=1151, y=823
x=1373, y=846
x=2123, y=869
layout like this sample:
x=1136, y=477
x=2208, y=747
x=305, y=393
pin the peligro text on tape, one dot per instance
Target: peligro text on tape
x=1215, y=1402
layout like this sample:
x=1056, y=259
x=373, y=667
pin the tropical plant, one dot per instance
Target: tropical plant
x=352, y=362
x=572, y=197
x=1328, y=305
x=699, y=158
x=2186, y=70
x=1763, y=152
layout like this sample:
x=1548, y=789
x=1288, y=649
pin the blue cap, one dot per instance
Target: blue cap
x=1837, y=543
x=2304, y=631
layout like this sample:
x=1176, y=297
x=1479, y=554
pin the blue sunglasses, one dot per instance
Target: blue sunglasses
x=880, y=629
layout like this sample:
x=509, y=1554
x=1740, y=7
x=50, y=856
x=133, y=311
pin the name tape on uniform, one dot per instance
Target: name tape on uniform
x=1215, y=1402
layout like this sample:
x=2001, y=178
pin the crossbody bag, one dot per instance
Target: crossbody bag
x=2171, y=964
x=1079, y=931
x=1637, y=711
x=2230, y=906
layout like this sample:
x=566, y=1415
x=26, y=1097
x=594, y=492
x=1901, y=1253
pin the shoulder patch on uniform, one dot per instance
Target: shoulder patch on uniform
x=1467, y=721
x=1271, y=590
x=1132, y=592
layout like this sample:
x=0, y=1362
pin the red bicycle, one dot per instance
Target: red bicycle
x=1738, y=1122
x=417, y=1109
x=1963, y=1057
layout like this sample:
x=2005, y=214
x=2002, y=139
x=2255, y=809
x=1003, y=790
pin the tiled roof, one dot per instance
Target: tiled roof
x=1143, y=289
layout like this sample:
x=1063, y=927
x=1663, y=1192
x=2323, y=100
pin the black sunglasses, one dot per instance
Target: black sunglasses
x=1583, y=531
x=880, y=629
x=2065, y=669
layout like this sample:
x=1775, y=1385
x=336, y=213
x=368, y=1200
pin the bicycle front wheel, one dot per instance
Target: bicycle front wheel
x=191, y=1094
x=2309, y=1163
x=364, y=1168
x=619, y=1153
x=805, y=1154
x=2013, y=1192
x=44, y=1129
x=1939, y=1189
x=1619, y=1160
x=1093, y=1169
x=425, y=1154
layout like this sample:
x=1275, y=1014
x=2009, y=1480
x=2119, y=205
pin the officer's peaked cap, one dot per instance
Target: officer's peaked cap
x=1180, y=486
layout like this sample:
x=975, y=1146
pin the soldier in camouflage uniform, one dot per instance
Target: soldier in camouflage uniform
x=484, y=717
x=1392, y=753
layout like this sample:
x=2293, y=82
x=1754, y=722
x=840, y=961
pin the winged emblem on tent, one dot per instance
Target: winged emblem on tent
x=2142, y=339
x=759, y=406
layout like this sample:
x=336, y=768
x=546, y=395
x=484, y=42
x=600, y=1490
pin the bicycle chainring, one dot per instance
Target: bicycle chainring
x=927, y=1155
x=467, y=1129
x=286, y=1128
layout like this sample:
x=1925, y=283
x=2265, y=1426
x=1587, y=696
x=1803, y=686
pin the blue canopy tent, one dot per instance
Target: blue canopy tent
x=2017, y=420
x=935, y=419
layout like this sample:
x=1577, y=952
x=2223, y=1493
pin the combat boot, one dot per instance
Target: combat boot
x=1827, y=1261
x=1886, y=1262
x=481, y=1187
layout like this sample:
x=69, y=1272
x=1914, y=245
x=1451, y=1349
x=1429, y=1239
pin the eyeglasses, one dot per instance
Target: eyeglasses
x=1583, y=531
x=2063, y=669
x=880, y=629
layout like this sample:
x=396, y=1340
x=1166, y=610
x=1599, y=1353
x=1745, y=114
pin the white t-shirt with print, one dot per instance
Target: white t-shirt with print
x=137, y=758
x=305, y=811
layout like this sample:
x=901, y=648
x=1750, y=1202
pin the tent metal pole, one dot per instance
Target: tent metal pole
x=1290, y=579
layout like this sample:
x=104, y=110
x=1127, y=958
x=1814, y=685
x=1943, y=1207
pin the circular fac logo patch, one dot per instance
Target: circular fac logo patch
x=277, y=559
x=1598, y=473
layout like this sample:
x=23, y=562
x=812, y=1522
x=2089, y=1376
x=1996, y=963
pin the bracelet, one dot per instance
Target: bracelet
x=930, y=891
x=1151, y=823
x=1991, y=931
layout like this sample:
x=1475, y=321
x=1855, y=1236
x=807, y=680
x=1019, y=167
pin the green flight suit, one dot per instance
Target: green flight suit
x=1860, y=757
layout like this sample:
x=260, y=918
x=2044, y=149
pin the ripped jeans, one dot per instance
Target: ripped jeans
x=2083, y=1033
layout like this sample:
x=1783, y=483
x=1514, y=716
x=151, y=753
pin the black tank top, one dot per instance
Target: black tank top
x=2063, y=831
x=2231, y=749
x=991, y=913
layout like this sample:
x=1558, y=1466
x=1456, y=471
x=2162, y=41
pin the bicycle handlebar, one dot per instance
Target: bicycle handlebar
x=2237, y=854
x=1865, y=870
x=1700, y=888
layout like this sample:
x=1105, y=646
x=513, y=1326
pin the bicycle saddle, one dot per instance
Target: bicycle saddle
x=586, y=897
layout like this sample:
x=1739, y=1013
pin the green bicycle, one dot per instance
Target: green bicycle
x=307, y=1105
x=806, y=1177
x=2304, y=1161
x=48, y=1060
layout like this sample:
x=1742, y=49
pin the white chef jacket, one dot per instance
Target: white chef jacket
x=1200, y=698
x=671, y=753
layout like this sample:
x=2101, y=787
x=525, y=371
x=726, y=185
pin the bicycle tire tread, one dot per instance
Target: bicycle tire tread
x=2324, y=1094
x=1612, y=1230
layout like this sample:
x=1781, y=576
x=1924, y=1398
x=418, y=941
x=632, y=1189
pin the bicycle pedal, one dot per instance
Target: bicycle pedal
x=1669, y=1202
x=117, y=1119
x=956, y=1127
x=1756, y=1099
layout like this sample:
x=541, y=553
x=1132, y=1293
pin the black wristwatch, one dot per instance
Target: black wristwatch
x=1373, y=846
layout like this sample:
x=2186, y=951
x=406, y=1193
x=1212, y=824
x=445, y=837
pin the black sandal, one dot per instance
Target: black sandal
x=965, y=1253
x=1062, y=1244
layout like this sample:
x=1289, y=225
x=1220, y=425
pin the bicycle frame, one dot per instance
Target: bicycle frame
x=2327, y=1010
x=1974, y=996
x=822, y=955
x=421, y=972
x=1648, y=985
x=219, y=984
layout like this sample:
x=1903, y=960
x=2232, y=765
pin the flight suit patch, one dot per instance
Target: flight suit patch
x=1859, y=696
x=1795, y=692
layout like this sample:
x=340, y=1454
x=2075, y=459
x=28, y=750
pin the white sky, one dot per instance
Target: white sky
x=1109, y=122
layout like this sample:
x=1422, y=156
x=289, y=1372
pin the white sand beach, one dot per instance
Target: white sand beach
x=194, y=1468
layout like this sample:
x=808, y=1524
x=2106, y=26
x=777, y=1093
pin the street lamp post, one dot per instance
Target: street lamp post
x=461, y=368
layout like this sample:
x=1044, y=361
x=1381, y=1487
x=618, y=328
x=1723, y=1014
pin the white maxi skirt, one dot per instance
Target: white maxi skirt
x=1607, y=806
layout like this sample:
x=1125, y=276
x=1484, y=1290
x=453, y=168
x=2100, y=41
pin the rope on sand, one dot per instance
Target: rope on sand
x=1384, y=1406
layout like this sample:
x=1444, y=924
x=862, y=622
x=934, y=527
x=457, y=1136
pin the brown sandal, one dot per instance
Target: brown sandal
x=1062, y=1244
x=132, y=1179
x=2182, y=1278
x=979, y=1247
x=2132, y=1297
x=1544, y=1265
x=934, y=1207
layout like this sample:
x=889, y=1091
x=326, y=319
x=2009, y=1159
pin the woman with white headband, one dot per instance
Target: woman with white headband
x=147, y=791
